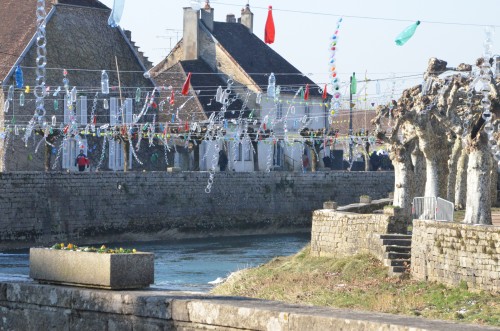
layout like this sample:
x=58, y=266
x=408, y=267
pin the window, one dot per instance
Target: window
x=307, y=111
x=115, y=155
x=279, y=111
x=244, y=152
x=71, y=148
x=115, y=112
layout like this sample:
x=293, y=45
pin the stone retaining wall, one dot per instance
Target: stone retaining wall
x=451, y=253
x=338, y=233
x=84, y=208
x=29, y=306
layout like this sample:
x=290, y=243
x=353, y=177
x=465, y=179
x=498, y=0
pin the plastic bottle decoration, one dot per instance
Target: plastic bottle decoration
x=325, y=92
x=56, y=104
x=354, y=83
x=10, y=94
x=104, y=82
x=172, y=97
x=6, y=106
x=21, y=99
x=271, y=87
x=335, y=103
x=19, y=77
x=138, y=95
x=27, y=89
x=185, y=87
x=219, y=95
x=269, y=33
x=105, y=104
x=116, y=13
x=73, y=94
x=406, y=34
x=54, y=120
x=306, y=93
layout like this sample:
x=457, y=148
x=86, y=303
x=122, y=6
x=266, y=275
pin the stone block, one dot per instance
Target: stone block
x=330, y=205
x=88, y=269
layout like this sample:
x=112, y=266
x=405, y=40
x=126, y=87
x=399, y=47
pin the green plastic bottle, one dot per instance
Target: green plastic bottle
x=354, y=83
x=406, y=34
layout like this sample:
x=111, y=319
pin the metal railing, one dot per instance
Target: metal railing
x=431, y=208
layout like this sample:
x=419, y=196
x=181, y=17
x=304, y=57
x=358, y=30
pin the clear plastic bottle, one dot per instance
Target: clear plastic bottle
x=10, y=94
x=73, y=94
x=138, y=95
x=104, y=82
x=116, y=13
x=105, y=104
x=21, y=99
x=54, y=120
x=271, y=87
x=6, y=106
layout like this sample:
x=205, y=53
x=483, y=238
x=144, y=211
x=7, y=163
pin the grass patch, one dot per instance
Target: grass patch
x=359, y=282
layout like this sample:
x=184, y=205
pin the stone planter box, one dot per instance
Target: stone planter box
x=90, y=269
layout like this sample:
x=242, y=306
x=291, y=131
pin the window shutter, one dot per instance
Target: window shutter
x=129, y=107
x=65, y=156
x=111, y=153
x=113, y=108
x=81, y=110
x=66, y=110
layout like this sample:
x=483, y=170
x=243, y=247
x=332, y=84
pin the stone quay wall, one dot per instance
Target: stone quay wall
x=339, y=233
x=452, y=253
x=32, y=307
x=43, y=208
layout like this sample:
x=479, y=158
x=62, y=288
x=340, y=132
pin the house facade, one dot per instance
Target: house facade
x=79, y=46
x=261, y=129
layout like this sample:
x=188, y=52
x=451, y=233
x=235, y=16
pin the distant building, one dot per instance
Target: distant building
x=79, y=40
x=218, y=52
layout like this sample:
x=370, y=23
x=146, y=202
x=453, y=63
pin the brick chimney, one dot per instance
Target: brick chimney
x=190, y=34
x=247, y=17
x=231, y=18
x=207, y=16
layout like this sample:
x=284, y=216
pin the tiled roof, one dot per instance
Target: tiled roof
x=18, y=27
x=258, y=59
x=204, y=81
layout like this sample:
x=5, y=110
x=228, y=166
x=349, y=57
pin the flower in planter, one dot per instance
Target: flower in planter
x=103, y=249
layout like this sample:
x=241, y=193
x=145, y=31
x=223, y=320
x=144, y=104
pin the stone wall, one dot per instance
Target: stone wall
x=104, y=206
x=336, y=233
x=451, y=253
x=29, y=306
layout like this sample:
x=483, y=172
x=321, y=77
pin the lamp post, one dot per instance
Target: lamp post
x=352, y=90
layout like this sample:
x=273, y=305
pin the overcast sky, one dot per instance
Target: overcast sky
x=304, y=28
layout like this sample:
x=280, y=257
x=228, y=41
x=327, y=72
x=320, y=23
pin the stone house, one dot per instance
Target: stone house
x=229, y=57
x=79, y=45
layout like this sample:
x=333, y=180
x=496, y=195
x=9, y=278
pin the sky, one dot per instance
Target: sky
x=366, y=37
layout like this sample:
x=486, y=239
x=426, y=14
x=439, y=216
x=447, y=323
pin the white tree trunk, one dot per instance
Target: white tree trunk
x=403, y=185
x=418, y=160
x=432, y=179
x=461, y=181
x=478, y=210
x=452, y=169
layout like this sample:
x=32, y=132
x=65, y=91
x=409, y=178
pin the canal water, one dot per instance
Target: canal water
x=187, y=265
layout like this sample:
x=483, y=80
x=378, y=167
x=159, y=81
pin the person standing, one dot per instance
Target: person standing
x=223, y=160
x=82, y=161
x=305, y=162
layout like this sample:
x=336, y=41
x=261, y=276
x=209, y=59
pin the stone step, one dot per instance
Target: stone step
x=398, y=249
x=396, y=270
x=397, y=242
x=398, y=255
x=395, y=236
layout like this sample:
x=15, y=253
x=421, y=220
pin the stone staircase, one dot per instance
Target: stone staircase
x=397, y=253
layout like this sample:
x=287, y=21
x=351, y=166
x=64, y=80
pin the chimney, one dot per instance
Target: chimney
x=207, y=16
x=247, y=17
x=231, y=18
x=190, y=34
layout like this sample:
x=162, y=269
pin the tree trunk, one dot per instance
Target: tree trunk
x=478, y=209
x=126, y=153
x=461, y=181
x=494, y=180
x=48, y=155
x=452, y=169
x=432, y=179
x=418, y=161
x=403, y=179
